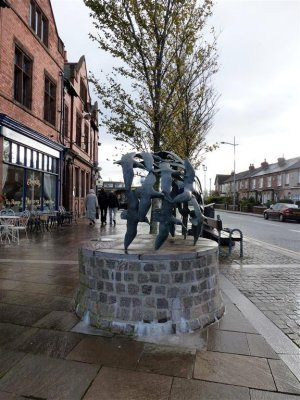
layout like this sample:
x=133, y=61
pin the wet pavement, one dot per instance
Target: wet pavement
x=243, y=356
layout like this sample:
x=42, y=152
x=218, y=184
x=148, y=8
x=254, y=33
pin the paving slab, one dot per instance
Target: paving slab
x=259, y=347
x=48, y=378
x=114, y=352
x=10, y=333
x=227, y=342
x=284, y=379
x=234, y=320
x=118, y=384
x=234, y=369
x=190, y=389
x=48, y=342
x=8, y=359
x=167, y=360
x=21, y=315
x=58, y=320
x=261, y=395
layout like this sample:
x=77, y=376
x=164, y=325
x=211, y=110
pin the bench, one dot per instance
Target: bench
x=213, y=228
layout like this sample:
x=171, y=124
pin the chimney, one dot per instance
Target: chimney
x=264, y=165
x=251, y=167
x=281, y=161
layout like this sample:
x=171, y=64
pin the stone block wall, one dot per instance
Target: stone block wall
x=120, y=291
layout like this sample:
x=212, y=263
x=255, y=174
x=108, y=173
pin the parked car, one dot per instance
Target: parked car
x=283, y=211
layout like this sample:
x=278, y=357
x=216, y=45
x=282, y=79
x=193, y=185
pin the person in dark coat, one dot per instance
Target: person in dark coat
x=113, y=205
x=103, y=204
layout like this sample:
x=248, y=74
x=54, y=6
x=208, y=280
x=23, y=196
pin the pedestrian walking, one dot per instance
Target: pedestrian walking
x=103, y=204
x=91, y=206
x=113, y=205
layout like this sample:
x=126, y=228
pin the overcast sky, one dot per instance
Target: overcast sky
x=258, y=81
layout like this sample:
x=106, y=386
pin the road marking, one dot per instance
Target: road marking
x=268, y=246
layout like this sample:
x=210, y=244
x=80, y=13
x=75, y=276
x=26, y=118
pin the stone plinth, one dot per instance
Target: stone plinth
x=147, y=292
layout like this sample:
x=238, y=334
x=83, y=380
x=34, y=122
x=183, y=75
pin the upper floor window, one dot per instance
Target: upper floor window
x=38, y=22
x=269, y=181
x=287, y=178
x=86, y=138
x=23, y=78
x=83, y=91
x=78, y=129
x=50, y=101
x=279, y=180
x=66, y=121
x=253, y=183
x=260, y=182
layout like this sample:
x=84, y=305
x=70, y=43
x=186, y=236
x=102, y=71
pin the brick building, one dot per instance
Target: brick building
x=267, y=183
x=36, y=132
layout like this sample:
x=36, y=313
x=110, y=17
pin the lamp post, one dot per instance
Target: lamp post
x=234, y=146
x=204, y=167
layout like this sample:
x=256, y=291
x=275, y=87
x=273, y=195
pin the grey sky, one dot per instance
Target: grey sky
x=258, y=80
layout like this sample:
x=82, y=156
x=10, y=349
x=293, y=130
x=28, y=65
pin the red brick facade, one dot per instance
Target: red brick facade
x=37, y=139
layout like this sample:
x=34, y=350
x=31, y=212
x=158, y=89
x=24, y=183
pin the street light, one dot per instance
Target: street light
x=204, y=167
x=234, y=145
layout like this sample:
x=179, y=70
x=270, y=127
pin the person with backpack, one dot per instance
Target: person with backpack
x=103, y=203
x=113, y=205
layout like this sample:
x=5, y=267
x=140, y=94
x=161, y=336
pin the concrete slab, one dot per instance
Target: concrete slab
x=183, y=389
x=47, y=378
x=234, y=369
x=167, y=361
x=114, y=352
x=118, y=384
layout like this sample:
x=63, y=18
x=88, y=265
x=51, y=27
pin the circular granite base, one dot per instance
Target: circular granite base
x=145, y=292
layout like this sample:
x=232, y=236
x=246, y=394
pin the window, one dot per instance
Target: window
x=83, y=93
x=76, y=182
x=50, y=101
x=287, y=178
x=78, y=129
x=22, y=78
x=38, y=22
x=268, y=181
x=86, y=138
x=279, y=180
x=66, y=121
x=260, y=183
x=82, y=184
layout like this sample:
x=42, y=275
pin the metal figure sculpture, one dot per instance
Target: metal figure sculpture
x=177, y=191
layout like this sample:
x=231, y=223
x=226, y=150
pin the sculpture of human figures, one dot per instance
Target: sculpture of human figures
x=177, y=180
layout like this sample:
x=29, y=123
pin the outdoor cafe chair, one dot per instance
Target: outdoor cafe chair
x=21, y=225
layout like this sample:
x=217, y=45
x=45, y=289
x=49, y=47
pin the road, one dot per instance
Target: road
x=285, y=235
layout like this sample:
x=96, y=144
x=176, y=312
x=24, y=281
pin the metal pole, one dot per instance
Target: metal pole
x=234, y=173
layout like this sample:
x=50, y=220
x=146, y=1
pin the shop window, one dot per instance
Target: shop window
x=21, y=155
x=14, y=153
x=28, y=157
x=6, y=150
x=33, y=190
x=34, y=159
x=50, y=101
x=13, y=182
x=22, y=78
x=40, y=161
x=39, y=22
x=49, y=194
x=45, y=166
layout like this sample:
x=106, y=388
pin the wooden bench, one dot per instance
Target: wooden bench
x=214, y=229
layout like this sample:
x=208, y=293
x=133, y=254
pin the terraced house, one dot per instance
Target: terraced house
x=267, y=183
x=48, y=126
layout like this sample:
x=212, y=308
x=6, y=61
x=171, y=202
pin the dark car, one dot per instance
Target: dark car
x=283, y=211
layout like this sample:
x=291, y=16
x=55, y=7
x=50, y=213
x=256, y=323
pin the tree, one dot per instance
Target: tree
x=166, y=74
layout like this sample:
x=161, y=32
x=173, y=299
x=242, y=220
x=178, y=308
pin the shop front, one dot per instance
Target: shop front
x=31, y=165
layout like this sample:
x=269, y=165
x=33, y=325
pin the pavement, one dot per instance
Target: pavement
x=252, y=353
